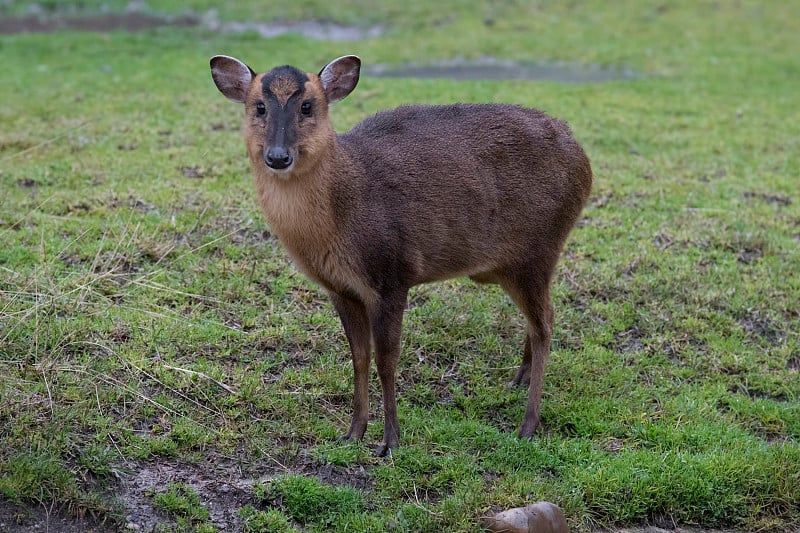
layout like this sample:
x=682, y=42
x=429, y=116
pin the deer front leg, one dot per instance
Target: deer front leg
x=387, y=324
x=355, y=321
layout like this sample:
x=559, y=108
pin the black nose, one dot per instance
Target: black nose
x=278, y=158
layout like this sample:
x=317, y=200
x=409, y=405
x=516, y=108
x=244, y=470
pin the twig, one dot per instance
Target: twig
x=97, y=397
x=49, y=394
x=204, y=376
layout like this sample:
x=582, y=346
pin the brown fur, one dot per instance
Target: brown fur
x=283, y=88
x=409, y=196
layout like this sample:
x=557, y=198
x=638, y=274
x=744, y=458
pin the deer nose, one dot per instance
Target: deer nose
x=278, y=158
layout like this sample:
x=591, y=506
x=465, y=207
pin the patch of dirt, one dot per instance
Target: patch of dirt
x=614, y=445
x=768, y=198
x=630, y=341
x=761, y=327
x=749, y=254
x=253, y=237
x=340, y=476
x=757, y=392
x=27, y=183
x=221, y=484
x=581, y=298
x=193, y=172
x=24, y=519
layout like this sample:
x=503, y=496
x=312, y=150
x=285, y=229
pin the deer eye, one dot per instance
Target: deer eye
x=261, y=109
x=306, y=108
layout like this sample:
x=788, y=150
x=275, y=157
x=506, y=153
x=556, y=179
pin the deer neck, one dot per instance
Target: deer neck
x=297, y=206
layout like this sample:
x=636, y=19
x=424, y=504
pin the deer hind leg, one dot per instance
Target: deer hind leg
x=523, y=376
x=532, y=295
x=355, y=321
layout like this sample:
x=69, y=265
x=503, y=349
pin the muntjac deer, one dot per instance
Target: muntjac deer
x=408, y=196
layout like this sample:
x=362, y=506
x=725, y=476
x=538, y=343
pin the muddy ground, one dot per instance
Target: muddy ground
x=15, y=519
x=223, y=484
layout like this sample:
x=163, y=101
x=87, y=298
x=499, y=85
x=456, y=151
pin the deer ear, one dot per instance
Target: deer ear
x=232, y=77
x=340, y=77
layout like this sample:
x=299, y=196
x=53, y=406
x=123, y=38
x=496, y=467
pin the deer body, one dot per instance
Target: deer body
x=409, y=196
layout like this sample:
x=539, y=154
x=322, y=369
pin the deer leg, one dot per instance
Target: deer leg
x=533, y=299
x=540, y=335
x=387, y=322
x=523, y=377
x=356, y=327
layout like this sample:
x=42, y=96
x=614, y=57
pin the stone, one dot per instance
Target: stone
x=539, y=517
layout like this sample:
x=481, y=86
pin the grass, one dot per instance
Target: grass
x=182, y=502
x=148, y=316
x=311, y=501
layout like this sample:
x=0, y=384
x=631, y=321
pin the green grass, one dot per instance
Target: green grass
x=147, y=315
x=182, y=502
x=272, y=521
x=310, y=501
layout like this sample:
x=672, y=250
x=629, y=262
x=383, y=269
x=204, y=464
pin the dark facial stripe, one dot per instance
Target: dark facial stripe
x=283, y=82
x=283, y=88
x=282, y=130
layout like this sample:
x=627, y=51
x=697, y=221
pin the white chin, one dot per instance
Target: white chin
x=282, y=172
